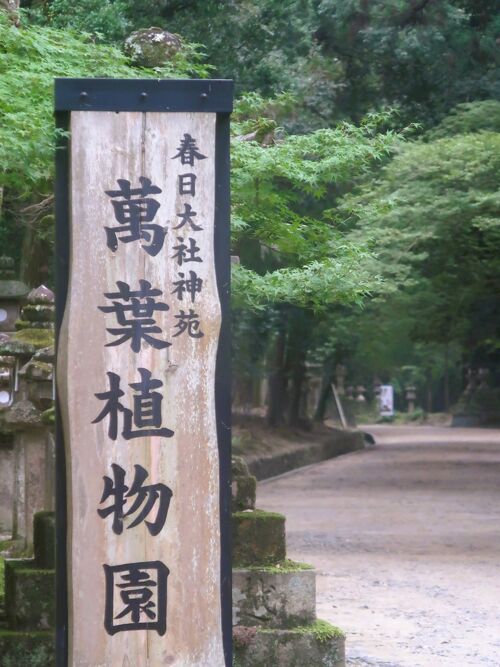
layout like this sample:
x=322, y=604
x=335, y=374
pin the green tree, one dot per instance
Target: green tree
x=423, y=56
x=30, y=58
x=340, y=58
x=345, y=58
x=296, y=261
x=108, y=21
x=435, y=213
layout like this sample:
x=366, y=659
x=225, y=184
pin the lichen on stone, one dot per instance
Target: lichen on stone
x=286, y=566
x=17, y=348
x=38, y=338
x=41, y=295
x=49, y=417
x=152, y=47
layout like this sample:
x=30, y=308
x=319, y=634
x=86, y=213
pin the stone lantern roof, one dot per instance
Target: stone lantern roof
x=10, y=288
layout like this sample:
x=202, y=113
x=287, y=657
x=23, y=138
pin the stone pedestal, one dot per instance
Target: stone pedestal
x=274, y=599
x=315, y=645
x=6, y=484
x=29, y=596
x=258, y=538
x=27, y=635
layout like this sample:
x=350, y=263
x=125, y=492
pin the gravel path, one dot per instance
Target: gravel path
x=406, y=540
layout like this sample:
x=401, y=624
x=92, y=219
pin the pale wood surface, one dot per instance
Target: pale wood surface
x=105, y=147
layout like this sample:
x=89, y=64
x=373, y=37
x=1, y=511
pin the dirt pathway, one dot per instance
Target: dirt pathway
x=406, y=540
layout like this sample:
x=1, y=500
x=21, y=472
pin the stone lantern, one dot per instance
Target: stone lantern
x=12, y=293
x=411, y=395
x=312, y=389
x=482, y=377
x=340, y=375
x=26, y=431
x=360, y=393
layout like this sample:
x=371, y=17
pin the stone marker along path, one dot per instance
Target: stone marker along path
x=406, y=538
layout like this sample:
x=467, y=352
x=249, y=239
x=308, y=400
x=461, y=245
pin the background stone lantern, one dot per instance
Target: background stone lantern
x=12, y=293
x=360, y=393
x=26, y=430
x=411, y=395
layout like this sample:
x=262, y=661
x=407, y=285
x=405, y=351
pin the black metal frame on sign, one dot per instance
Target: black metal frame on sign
x=147, y=95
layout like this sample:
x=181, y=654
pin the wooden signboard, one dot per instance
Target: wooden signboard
x=143, y=373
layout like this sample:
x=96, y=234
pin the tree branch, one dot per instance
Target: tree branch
x=415, y=8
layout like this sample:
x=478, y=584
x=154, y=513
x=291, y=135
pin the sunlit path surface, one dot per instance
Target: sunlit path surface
x=406, y=540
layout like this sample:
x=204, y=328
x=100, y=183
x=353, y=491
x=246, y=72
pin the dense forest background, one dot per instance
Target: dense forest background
x=366, y=153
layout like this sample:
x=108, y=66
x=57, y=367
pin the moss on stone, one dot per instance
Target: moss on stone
x=46, y=354
x=258, y=538
x=258, y=515
x=37, y=337
x=152, y=47
x=10, y=547
x=17, y=348
x=244, y=490
x=38, y=370
x=27, y=565
x=318, y=643
x=239, y=467
x=285, y=567
x=322, y=631
x=49, y=416
x=26, y=324
x=44, y=538
x=27, y=649
x=29, y=596
x=2, y=582
x=39, y=312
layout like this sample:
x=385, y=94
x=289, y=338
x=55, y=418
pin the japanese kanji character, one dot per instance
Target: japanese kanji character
x=191, y=286
x=141, y=306
x=187, y=218
x=134, y=210
x=143, y=592
x=186, y=253
x=187, y=184
x=188, y=151
x=136, y=498
x=146, y=413
x=189, y=322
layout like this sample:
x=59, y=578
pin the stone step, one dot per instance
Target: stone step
x=26, y=649
x=29, y=596
x=280, y=596
x=258, y=538
x=318, y=645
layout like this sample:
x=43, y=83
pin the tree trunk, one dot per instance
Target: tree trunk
x=36, y=258
x=277, y=378
x=298, y=375
x=325, y=390
x=12, y=9
x=429, y=393
x=446, y=378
